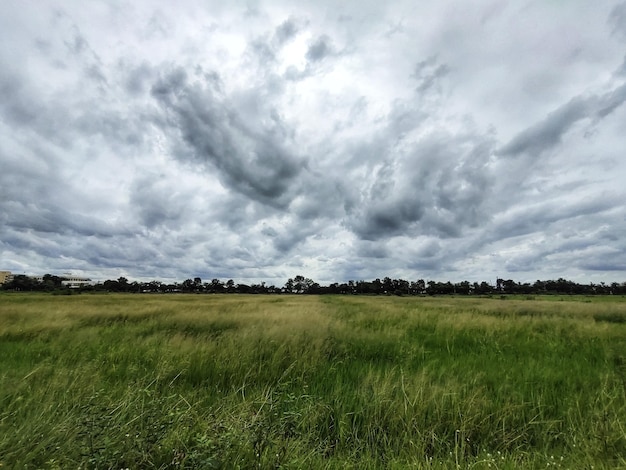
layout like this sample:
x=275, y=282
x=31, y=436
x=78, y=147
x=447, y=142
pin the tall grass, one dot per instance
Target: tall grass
x=134, y=381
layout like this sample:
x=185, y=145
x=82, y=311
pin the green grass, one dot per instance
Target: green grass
x=193, y=381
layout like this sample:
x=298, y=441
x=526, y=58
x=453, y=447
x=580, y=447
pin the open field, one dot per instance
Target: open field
x=234, y=381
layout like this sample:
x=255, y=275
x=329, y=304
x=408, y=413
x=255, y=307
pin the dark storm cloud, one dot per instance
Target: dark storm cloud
x=247, y=150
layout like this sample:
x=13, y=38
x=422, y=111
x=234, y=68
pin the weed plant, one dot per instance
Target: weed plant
x=233, y=381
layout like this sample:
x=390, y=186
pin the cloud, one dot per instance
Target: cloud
x=548, y=133
x=428, y=74
x=334, y=141
x=287, y=30
x=246, y=149
x=438, y=184
x=319, y=49
x=617, y=20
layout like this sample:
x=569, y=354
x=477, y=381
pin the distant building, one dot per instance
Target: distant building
x=74, y=282
x=5, y=276
x=68, y=280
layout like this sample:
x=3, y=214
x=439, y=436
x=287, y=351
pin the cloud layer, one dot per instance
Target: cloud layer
x=347, y=141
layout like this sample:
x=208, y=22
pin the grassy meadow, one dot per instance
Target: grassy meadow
x=316, y=382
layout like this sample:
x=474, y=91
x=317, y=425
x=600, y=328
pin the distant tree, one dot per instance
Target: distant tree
x=22, y=282
x=188, y=286
x=122, y=284
x=216, y=286
x=387, y=286
x=111, y=285
x=51, y=282
x=462, y=288
x=301, y=284
x=483, y=288
x=401, y=287
x=244, y=289
x=418, y=287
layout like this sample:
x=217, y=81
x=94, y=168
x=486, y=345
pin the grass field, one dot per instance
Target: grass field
x=209, y=381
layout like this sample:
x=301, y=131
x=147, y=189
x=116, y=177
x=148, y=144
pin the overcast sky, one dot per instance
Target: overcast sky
x=258, y=140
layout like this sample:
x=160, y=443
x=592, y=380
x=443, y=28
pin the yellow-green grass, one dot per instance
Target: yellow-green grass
x=233, y=381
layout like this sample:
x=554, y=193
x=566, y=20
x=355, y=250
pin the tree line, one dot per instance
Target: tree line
x=303, y=285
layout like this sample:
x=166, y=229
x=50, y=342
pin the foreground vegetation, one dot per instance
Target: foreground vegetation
x=232, y=381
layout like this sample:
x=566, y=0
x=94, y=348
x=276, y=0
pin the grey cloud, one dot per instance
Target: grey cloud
x=245, y=150
x=610, y=101
x=265, y=48
x=137, y=78
x=617, y=20
x=428, y=74
x=535, y=218
x=378, y=173
x=16, y=103
x=294, y=74
x=158, y=25
x=372, y=249
x=45, y=218
x=319, y=49
x=263, y=51
x=81, y=51
x=157, y=204
x=585, y=248
x=77, y=44
x=621, y=70
x=548, y=133
x=287, y=30
x=439, y=186
x=611, y=261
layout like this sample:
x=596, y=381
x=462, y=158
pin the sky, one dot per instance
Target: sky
x=260, y=140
